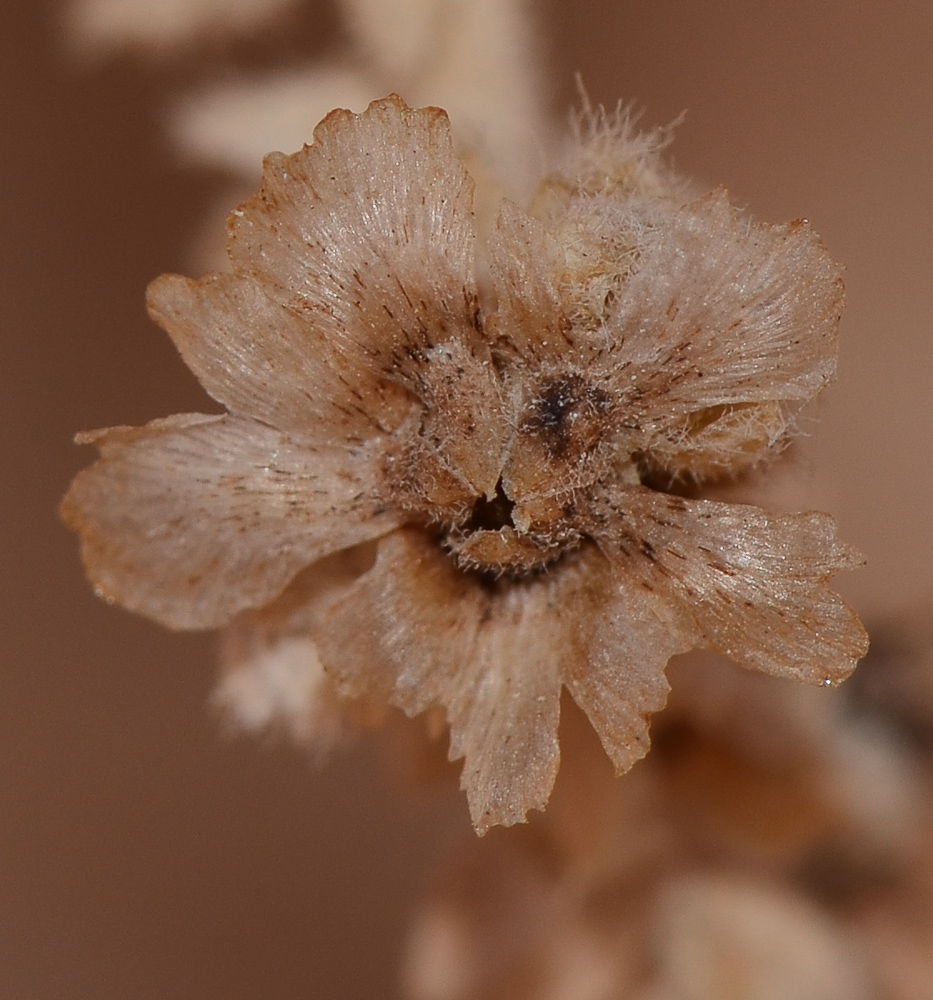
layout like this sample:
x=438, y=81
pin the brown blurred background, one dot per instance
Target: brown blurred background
x=143, y=855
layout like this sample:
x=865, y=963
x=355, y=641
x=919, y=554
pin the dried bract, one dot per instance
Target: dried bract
x=511, y=462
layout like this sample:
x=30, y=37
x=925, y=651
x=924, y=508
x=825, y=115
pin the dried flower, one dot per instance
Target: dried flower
x=475, y=59
x=513, y=463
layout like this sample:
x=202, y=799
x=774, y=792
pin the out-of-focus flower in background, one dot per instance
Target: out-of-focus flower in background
x=163, y=25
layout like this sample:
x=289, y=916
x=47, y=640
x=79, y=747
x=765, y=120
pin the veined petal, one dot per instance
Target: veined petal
x=368, y=234
x=525, y=260
x=193, y=518
x=724, y=311
x=622, y=682
x=263, y=360
x=466, y=423
x=417, y=630
x=754, y=583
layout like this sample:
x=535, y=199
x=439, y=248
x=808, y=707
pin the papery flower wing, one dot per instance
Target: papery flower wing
x=465, y=425
x=477, y=60
x=723, y=311
x=193, y=518
x=421, y=633
x=524, y=259
x=621, y=682
x=368, y=234
x=754, y=583
x=263, y=360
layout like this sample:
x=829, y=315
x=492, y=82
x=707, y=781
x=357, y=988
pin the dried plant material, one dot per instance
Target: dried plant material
x=719, y=938
x=511, y=927
x=897, y=938
x=897, y=676
x=273, y=680
x=769, y=771
x=727, y=864
x=234, y=124
x=506, y=460
x=473, y=58
x=523, y=914
x=157, y=24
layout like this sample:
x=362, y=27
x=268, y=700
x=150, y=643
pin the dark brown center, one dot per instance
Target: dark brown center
x=491, y=515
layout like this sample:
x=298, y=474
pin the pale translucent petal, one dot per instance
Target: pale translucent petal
x=525, y=260
x=621, y=682
x=193, y=518
x=420, y=632
x=262, y=360
x=754, y=583
x=368, y=234
x=353, y=262
x=477, y=60
x=724, y=311
x=466, y=423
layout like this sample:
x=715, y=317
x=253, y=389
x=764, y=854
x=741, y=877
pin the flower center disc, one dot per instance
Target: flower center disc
x=491, y=515
x=490, y=542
